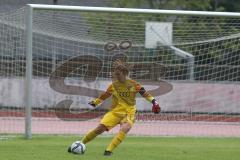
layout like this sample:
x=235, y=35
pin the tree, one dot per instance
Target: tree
x=226, y=5
x=198, y=5
x=165, y=4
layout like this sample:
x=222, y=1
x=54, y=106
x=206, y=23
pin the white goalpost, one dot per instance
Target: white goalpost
x=55, y=59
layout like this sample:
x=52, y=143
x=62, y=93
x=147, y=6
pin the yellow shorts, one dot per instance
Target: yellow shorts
x=111, y=119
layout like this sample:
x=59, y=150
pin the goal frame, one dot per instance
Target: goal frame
x=30, y=8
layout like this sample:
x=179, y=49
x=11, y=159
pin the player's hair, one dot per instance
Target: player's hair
x=121, y=66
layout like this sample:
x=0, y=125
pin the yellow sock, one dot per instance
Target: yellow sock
x=89, y=136
x=116, y=141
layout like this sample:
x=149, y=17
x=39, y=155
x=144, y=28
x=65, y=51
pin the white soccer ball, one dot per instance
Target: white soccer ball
x=78, y=147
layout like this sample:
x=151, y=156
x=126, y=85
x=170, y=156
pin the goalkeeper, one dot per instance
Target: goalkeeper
x=123, y=109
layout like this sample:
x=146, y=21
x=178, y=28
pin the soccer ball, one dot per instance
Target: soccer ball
x=78, y=147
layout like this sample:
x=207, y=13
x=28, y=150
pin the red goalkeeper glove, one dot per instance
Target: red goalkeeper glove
x=155, y=108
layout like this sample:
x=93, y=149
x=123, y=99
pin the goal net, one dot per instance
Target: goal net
x=189, y=61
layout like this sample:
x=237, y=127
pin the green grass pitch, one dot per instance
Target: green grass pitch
x=44, y=147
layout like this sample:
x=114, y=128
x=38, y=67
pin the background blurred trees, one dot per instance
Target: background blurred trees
x=223, y=59
x=199, y=5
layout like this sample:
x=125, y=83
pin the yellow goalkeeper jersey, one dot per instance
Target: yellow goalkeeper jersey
x=123, y=96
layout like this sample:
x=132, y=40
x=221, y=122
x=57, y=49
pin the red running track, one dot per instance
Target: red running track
x=157, y=128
